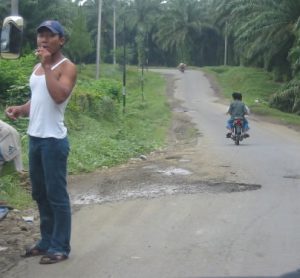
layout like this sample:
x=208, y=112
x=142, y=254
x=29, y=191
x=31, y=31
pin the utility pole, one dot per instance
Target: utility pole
x=14, y=7
x=124, y=65
x=114, y=31
x=225, y=43
x=98, y=39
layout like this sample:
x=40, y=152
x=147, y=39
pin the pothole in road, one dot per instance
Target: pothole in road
x=294, y=177
x=159, y=190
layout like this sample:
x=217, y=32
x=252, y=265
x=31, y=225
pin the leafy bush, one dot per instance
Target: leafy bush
x=98, y=88
x=288, y=99
x=14, y=77
x=96, y=98
x=17, y=94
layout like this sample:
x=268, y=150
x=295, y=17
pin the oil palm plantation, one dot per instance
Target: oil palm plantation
x=144, y=15
x=264, y=32
x=34, y=12
x=137, y=21
x=186, y=31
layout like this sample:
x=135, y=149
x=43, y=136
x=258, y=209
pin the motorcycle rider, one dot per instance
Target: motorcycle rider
x=237, y=109
x=182, y=67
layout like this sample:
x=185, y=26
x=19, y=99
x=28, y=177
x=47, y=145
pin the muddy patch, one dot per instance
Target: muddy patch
x=150, y=191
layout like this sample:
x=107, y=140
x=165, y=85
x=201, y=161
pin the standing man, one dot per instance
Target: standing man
x=51, y=84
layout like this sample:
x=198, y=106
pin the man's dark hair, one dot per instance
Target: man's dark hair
x=237, y=96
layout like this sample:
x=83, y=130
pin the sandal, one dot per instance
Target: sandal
x=50, y=258
x=33, y=251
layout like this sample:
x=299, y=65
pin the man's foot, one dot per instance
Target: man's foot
x=50, y=258
x=33, y=251
x=246, y=135
x=228, y=135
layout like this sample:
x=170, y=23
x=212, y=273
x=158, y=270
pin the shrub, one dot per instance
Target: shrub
x=14, y=77
x=96, y=98
x=288, y=99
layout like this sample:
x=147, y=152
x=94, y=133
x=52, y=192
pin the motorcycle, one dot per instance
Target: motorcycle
x=238, y=135
x=182, y=67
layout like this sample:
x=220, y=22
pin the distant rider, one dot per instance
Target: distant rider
x=237, y=109
x=182, y=67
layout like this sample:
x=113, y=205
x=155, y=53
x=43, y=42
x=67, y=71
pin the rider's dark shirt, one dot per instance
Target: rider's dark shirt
x=237, y=109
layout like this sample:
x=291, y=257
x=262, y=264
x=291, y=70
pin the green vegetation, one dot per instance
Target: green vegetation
x=257, y=33
x=258, y=90
x=12, y=191
x=112, y=137
x=100, y=133
x=261, y=34
x=255, y=84
x=288, y=99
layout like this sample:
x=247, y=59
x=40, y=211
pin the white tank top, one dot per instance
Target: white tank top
x=46, y=117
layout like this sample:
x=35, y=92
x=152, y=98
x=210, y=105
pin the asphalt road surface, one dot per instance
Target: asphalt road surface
x=252, y=233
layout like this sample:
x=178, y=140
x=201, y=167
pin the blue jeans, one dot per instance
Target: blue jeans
x=245, y=124
x=48, y=172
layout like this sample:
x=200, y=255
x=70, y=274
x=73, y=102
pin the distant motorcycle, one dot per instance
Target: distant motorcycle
x=238, y=135
x=182, y=67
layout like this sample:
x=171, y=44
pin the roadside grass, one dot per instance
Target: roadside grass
x=97, y=143
x=137, y=131
x=11, y=190
x=256, y=85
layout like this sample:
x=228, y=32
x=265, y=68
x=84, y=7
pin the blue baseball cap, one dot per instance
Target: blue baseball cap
x=53, y=25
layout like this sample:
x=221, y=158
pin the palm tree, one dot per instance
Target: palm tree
x=222, y=21
x=185, y=29
x=264, y=31
x=34, y=12
x=107, y=35
x=4, y=9
x=79, y=45
x=140, y=17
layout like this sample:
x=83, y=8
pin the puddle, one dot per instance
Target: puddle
x=171, y=171
x=159, y=190
x=174, y=171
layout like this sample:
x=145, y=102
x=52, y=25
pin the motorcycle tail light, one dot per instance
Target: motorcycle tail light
x=238, y=122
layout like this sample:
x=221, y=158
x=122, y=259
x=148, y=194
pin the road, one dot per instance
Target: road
x=251, y=233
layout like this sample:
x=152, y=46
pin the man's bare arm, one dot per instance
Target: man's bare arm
x=60, y=88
